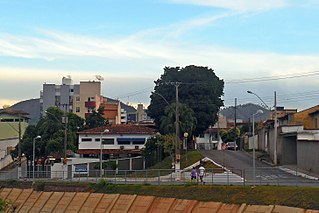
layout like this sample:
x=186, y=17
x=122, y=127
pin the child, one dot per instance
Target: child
x=193, y=174
x=201, y=173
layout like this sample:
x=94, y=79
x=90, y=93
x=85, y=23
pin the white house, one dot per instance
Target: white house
x=118, y=140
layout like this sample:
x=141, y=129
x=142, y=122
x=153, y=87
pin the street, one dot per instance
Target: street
x=241, y=163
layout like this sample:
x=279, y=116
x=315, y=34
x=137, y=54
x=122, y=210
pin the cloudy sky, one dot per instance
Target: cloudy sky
x=257, y=45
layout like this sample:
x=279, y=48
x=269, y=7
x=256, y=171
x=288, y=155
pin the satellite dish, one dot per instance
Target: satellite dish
x=98, y=77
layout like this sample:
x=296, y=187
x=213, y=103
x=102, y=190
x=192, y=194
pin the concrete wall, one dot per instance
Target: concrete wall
x=307, y=156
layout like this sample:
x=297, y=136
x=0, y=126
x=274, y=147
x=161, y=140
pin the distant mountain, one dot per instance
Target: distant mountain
x=32, y=107
x=245, y=112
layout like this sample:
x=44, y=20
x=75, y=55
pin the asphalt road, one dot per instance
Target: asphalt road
x=241, y=163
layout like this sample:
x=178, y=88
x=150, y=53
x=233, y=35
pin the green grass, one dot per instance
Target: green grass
x=302, y=197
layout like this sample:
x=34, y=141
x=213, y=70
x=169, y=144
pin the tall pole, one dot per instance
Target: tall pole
x=275, y=129
x=177, y=145
x=33, y=155
x=101, y=152
x=254, y=154
x=19, y=147
x=235, y=124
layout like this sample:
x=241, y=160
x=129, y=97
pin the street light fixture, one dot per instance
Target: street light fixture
x=33, y=157
x=254, y=142
x=185, y=145
x=275, y=121
x=101, y=152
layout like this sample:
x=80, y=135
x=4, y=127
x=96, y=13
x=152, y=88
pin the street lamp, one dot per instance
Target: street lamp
x=185, y=145
x=254, y=142
x=101, y=151
x=33, y=158
x=275, y=121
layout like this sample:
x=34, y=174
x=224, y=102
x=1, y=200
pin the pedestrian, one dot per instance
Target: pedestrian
x=201, y=173
x=193, y=174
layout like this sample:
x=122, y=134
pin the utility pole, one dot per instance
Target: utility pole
x=19, y=147
x=275, y=129
x=177, y=145
x=235, y=123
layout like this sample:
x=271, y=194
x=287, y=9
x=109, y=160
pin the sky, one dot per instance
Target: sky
x=256, y=45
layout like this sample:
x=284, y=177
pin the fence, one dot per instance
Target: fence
x=264, y=176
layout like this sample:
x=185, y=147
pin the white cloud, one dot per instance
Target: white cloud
x=238, y=5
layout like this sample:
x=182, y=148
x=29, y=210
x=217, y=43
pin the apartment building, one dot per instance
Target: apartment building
x=80, y=99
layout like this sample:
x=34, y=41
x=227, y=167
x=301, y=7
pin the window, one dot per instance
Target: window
x=123, y=141
x=77, y=98
x=108, y=141
x=138, y=141
x=86, y=139
x=71, y=90
x=77, y=109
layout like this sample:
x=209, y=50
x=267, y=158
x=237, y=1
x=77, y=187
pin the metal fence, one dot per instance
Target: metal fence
x=264, y=176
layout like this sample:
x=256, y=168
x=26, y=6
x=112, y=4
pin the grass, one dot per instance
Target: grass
x=302, y=197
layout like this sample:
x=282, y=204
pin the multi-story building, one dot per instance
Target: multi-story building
x=80, y=99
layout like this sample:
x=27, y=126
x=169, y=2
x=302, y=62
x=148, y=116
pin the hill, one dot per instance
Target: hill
x=245, y=112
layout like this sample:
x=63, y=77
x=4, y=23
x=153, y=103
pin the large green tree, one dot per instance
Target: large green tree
x=187, y=120
x=96, y=119
x=198, y=87
x=51, y=128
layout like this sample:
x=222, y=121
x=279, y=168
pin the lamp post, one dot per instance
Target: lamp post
x=101, y=151
x=33, y=157
x=254, y=142
x=185, y=145
x=275, y=121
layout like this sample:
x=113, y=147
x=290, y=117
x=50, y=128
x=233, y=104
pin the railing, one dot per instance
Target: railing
x=264, y=176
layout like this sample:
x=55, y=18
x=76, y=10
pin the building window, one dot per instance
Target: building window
x=123, y=141
x=77, y=109
x=86, y=140
x=77, y=98
x=71, y=90
x=108, y=141
x=138, y=141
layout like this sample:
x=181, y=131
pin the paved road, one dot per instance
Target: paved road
x=241, y=163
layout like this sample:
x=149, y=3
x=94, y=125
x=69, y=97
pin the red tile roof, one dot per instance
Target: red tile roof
x=120, y=129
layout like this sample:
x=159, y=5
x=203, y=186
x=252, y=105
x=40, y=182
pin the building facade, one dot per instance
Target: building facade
x=115, y=141
x=80, y=99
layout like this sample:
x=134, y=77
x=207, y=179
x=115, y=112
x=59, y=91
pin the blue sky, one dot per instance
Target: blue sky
x=130, y=42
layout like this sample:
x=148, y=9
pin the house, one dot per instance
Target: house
x=210, y=139
x=118, y=140
x=297, y=139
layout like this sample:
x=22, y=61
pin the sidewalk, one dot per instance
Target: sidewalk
x=292, y=169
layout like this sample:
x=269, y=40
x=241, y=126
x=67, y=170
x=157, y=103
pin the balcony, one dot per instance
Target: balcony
x=87, y=114
x=90, y=104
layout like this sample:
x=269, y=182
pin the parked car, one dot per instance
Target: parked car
x=231, y=146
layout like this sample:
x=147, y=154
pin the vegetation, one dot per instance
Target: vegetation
x=199, y=89
x=96, y=119
x=3, y=205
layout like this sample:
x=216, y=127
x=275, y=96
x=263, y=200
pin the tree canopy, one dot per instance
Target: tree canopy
x=51, y=129
x=198, y=88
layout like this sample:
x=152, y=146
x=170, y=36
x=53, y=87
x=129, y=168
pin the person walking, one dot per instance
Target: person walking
x=193, y=174
x=201, y=173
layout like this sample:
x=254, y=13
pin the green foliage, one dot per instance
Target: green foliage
x=96, y=119
x=51, y=128
x=187, y=120
x=200, y=90
x=153, y=151
x=229, y=135
x=3, y=205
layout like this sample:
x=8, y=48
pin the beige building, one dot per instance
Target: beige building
x=88, y=99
